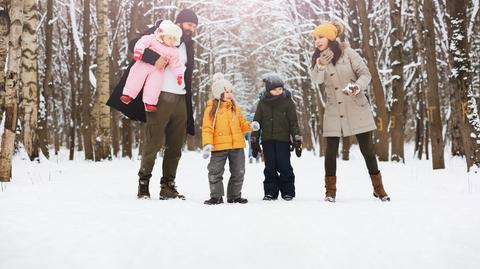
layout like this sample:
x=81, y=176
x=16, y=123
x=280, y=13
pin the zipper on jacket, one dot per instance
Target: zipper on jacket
x=272, y=120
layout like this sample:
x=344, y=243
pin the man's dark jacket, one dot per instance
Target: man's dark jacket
x=135, y=110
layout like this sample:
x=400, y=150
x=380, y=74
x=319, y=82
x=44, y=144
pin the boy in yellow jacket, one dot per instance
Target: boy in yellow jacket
x=223, y=131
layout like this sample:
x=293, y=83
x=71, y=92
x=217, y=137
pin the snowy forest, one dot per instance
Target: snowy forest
x=61, y=59
x=83, y=186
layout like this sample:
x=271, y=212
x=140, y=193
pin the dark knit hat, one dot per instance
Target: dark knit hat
x=273, y=81
x=187, y=15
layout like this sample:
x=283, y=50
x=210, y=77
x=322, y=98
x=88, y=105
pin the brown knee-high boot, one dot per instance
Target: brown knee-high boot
x=378, y=190
x=331, y=188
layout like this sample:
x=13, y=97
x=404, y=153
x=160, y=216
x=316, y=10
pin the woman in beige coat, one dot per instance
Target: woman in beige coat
x=347, y=111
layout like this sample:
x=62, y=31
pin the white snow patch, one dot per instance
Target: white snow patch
x=82, y=214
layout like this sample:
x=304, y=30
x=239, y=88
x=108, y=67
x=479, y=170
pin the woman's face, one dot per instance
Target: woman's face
x=321, y=42
x=276, y=91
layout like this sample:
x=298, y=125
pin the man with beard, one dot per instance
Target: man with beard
x=173, y=119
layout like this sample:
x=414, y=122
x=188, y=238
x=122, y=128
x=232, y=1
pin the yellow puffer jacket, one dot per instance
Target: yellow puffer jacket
x=228, y=130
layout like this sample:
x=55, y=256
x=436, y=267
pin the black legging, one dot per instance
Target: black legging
x=366, y=147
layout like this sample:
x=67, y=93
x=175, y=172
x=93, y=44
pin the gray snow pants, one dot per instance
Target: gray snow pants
x=216, y=167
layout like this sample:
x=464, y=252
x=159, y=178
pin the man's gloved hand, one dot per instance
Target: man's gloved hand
x=255, y=146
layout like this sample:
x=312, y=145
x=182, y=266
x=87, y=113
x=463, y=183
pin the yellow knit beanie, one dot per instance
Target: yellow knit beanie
x=330, y=30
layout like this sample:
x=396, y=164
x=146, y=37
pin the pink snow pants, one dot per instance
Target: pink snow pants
x=141, y=73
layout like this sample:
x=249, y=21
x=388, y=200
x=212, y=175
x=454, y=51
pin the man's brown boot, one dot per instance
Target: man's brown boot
x=168, y=190
x=331, y=188
x=378, y=190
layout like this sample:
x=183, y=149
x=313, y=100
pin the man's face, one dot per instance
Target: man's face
x=188, y=28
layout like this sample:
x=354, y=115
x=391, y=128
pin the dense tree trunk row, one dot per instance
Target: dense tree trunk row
x=65, y=57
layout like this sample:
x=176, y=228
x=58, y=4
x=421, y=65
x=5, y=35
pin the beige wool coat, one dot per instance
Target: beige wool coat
x=345, y=115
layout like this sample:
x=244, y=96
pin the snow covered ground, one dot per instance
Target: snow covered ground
x=64, y=214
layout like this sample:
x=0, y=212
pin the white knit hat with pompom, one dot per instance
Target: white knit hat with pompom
x=170, y=29
x=219, y=84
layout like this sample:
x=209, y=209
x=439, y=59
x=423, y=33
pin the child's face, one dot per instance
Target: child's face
x=321, y=42
x=227, y=94
x=169, y=40
x=276, y=91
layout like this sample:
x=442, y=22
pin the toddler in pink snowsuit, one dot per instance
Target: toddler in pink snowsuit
x=164, y=41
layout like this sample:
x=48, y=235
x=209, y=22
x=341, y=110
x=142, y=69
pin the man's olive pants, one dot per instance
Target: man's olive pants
x=167, y=124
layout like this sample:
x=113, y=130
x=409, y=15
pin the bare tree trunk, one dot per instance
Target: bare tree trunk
x=12, y=89
x=193, y=142
x=86, y=87
x=420, y=119
x=421, y=141
x=460, y=80
x=74, y=85
x=4, y=29
x=114, y=75
x=397, y=118
x=61, y=99
x=102, y=150
x=427, y=135
x=457, y=111
x=78, y=117
x=382, y=116
x=354, y=37
x=29, y=78
x=455, y=122
x=55, y=115
x=44, y=108
x=354, y=40
x=433, y=101
x=305, y=114
x=137, y=27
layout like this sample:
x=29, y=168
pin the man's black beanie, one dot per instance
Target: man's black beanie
x=187, y=15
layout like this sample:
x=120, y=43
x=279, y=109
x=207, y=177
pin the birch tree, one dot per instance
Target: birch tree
x=12, y=87
x=29, y=78
x=4, y=28
x=102, y=149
